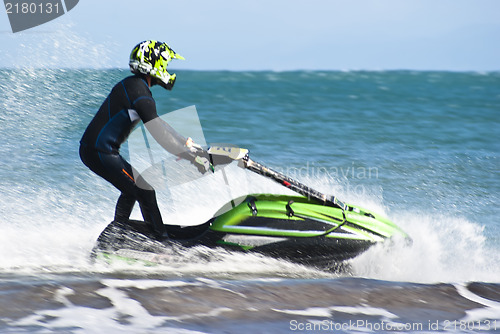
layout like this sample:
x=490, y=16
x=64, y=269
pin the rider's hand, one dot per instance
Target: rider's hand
x=203, y=164
x=198, y=156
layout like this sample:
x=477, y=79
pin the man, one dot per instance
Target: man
x=129, y=102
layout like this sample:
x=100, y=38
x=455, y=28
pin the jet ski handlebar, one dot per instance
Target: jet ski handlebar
x=243, y=158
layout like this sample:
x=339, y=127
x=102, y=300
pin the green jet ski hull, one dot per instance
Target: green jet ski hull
x=293, y=228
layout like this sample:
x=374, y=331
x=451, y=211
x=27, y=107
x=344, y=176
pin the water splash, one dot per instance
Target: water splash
x=61, y=47
x=445, y=249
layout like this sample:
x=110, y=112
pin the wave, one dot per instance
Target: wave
x=265, y=305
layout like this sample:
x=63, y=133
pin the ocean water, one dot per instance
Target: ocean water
x=421, y=147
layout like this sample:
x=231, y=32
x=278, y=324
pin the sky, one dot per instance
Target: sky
x=278, y=35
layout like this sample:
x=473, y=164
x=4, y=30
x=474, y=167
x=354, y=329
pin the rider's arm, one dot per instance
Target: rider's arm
x=166, y=136
x=169, y=139
x=162, y=132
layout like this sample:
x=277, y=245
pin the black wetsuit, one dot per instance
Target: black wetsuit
x=129, y=102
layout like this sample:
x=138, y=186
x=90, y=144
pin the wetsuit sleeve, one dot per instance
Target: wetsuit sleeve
x=161, y=131
x=145, y=107
x=166, y=136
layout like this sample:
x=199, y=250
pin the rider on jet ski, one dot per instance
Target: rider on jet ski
x=129, y=102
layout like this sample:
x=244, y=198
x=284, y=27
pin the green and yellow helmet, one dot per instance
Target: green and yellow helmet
x=151, y=58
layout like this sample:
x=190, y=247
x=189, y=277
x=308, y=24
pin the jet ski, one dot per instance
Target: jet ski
x=309, y=228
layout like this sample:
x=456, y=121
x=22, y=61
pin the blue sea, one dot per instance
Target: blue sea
x=421, y=147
